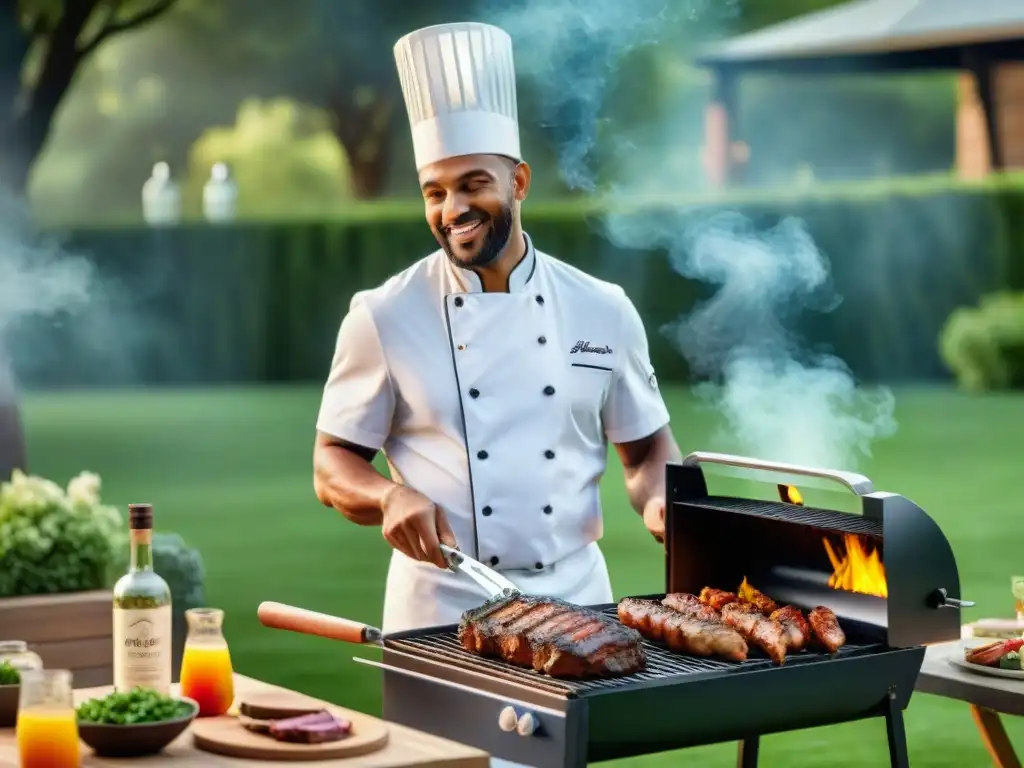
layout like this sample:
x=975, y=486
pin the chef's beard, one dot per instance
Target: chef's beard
x=499, y=229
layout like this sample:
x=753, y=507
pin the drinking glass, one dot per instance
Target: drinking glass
x=47, y=729
x=206, y=673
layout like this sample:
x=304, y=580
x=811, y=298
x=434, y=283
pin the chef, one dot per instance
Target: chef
x=491, y=375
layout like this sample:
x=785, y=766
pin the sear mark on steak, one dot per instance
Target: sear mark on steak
x=317, y=728
x=552, y=636
x=827, y=631
x=682, y=632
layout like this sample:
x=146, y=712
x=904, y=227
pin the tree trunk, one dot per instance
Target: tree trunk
x=370, y=174
x=12, y=436
x=366, y=132
x=17, y=157
x=13, y=50
x=58, y=71
x=27, y=111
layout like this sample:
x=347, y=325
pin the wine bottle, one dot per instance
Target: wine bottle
x=142, y=614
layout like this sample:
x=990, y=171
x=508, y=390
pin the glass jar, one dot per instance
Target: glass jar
x=17, y=654
x=206, y=673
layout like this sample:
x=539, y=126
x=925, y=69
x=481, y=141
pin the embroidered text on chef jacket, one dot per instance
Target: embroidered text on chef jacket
x=497, y=406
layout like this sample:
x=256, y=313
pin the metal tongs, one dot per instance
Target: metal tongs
x=493, y=582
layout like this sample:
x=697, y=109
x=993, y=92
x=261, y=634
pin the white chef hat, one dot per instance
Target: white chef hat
x=459, y=84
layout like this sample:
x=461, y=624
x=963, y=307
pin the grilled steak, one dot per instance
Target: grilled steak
x=682, y=632
x=552, y=636
x=757, y=629
x=317, y=728
x=717, y=598
x=756, y=598
x=826, y=628
x=795, y=630
x=691, y=606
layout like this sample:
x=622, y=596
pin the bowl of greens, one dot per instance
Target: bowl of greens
x=133, y=723
x=10, y=688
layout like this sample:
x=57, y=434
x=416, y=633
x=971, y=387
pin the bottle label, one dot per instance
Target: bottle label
x=142, y=649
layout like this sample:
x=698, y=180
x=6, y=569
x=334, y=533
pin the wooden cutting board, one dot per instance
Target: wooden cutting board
x=225, y=735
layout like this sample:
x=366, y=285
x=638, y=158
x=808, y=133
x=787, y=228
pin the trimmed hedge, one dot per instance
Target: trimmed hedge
x=262, y=301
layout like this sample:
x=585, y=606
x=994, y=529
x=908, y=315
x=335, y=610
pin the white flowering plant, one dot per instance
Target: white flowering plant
x=55, y=540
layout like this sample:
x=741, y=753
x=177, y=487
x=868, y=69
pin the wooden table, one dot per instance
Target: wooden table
x=988, y=696
x=406, y=747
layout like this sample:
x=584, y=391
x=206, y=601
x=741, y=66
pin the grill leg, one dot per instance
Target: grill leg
x=747, y=756
x=894, y=729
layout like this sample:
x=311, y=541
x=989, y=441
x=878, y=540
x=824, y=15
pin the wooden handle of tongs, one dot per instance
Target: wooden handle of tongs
x=281, y=616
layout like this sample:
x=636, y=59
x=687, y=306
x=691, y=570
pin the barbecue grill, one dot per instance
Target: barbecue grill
x=432, y=684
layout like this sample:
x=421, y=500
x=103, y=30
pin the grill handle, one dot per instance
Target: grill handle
x=859, y=484
x=288, y=617
x=941, y=599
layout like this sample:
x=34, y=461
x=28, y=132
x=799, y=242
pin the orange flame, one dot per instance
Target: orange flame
x=745, y=592
x=790, y=494
x=858, y=569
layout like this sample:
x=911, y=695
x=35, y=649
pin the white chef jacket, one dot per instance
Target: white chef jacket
x=498, y=407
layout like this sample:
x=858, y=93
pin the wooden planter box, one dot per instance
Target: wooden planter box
x=70, y=631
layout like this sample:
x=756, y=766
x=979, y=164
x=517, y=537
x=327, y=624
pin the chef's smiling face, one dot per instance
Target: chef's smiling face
x=472, y=205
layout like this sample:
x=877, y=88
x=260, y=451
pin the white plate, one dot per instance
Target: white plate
x=956, y=658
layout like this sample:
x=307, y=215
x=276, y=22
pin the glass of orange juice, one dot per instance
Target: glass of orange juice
x=206, y=674
x=47, y=730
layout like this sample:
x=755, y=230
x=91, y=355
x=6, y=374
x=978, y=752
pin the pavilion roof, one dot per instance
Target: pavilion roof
x=866, y=28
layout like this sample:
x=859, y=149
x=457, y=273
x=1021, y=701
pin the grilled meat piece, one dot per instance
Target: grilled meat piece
x=826, y=628
x=717, y=598
x=756, y=598
x=552, y=636
x=795, y=629
x=682, y=632
x=691, y=606
x=757, y=629
x=317, y=728
x=989, y=655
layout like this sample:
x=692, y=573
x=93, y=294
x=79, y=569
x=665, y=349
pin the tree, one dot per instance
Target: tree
x=329, y=54
x=42, y=45
x=282, y=154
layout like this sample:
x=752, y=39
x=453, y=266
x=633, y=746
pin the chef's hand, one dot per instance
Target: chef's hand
x=654, y=518
x=416, y=526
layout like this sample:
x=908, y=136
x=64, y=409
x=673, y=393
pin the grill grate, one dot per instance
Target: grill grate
x=662, y=664
x=828, y=519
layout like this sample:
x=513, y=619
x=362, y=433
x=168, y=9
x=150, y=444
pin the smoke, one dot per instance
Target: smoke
x=570, y=53
x=38, y=282
x=64, y=322
x=777, y=399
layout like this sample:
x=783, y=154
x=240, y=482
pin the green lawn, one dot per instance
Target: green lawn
x=230, y=471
